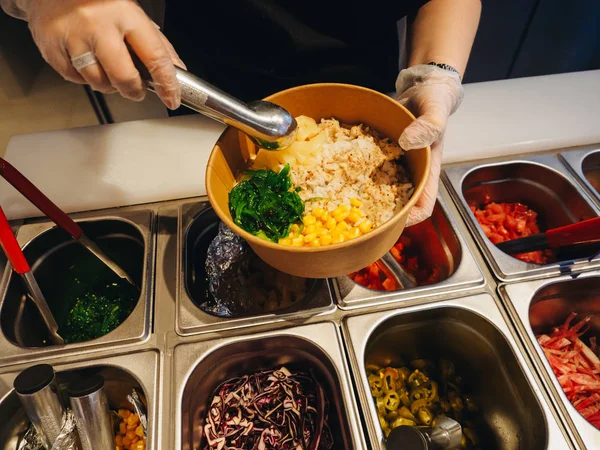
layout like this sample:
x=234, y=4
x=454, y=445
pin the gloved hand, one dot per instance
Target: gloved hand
x=65, y=29
x=432, y=95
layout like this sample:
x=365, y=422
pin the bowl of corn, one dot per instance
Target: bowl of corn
x=327, y=243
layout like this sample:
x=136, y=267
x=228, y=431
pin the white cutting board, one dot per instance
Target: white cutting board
x=155, y=160
x=112, y=165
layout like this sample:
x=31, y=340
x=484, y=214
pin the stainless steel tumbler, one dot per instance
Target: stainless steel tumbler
x=37, y=389
x=92, y=412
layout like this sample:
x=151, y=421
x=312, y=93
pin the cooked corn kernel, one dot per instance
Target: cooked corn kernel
x=365, y=226
x=342, y=226
x=337, y=238
x=310, y=237
x=133, y=438
x=326, y=239
x=309, y=219
x=315, y=243
x=317, y=212
x=322, y=227
x=355, y=202
x=354, y=232
x=353, y=217
x=309, y=230
x=339, y=216
x=133, y=418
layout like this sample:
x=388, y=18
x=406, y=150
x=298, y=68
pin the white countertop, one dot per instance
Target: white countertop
x=155, y=160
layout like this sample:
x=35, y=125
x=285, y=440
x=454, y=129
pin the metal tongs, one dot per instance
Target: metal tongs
x=15, y=255
x=58, y=216
x=269, y=125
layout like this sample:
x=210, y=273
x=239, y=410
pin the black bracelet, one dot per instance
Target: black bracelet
x=444, y=66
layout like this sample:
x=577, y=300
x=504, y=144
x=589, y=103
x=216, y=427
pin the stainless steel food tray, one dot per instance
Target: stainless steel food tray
x=585, y=165
x=544, y=184
x=471, y=330
x=190, y=318
x=182, y=355
x=545, y=303
x=41, y=240
x=121, y=374
x=447, y=248
x=199, y=368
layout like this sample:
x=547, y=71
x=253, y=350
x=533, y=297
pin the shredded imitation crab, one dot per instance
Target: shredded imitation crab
x=576, y=366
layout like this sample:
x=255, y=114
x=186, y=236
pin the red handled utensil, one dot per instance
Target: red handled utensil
x=582, y=232
x=57, y=215
x=15, y=255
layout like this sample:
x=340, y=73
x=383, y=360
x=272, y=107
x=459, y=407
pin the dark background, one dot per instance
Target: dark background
x=516, y=38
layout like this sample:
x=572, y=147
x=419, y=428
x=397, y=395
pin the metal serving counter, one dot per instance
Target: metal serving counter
x=176, y=353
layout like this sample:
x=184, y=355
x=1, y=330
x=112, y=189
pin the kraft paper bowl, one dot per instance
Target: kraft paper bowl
x=349, y=104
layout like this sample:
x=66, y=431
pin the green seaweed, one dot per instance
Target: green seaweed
x=265, y=204
x=99, y=311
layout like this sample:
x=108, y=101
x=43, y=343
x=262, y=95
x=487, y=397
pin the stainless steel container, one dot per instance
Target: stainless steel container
x=177, y=354
x=540, y=182
x=122, y=371
x=197, y=226
x=536, y=307
x=129, y=236
x=441, y=245
x=38, y=392
x=474, y=333
x=92, y=413
x=585, y=165
x=200, y=367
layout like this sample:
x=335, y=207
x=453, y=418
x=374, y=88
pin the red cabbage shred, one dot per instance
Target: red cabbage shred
x=273, y=409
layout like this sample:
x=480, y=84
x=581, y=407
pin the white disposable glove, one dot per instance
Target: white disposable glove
x=64, y=29
x=432, y=94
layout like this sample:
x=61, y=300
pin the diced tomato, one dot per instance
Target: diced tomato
x=407, y=255
x=506, y=221
x=389, y=284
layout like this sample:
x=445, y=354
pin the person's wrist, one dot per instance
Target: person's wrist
x=444, y=66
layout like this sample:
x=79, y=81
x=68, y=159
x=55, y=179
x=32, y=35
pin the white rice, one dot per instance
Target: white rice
x=354, y=162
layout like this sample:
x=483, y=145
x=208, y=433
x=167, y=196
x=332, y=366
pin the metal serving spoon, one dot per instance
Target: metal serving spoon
x=446, y=434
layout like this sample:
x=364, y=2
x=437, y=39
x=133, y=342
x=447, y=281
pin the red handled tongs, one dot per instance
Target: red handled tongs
x=58, y=216
x=13, y=252
x=584, y=232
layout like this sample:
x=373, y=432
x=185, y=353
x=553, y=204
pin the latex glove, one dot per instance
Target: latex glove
x=432, y=95
x=63, y=29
